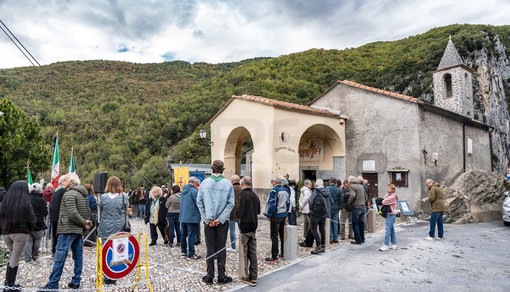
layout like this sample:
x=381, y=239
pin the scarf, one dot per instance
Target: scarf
x=155, y=211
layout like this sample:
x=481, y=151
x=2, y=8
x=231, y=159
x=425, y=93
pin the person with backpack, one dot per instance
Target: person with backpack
x=320, y=209
x=389, y=234
x=276, y=211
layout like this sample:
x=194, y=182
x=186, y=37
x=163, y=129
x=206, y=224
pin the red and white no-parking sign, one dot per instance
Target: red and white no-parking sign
x=120, y=255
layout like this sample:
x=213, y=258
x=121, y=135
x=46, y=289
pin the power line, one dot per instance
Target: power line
x=32, y=59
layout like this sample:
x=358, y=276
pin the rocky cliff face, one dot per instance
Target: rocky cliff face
x=492, y=96
x=475, y=196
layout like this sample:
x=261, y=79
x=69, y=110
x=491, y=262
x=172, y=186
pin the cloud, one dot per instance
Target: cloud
x=221, y=30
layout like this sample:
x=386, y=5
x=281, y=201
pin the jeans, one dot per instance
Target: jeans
x=276, y=227
x=320, y=239
x=66, y=241
x=358, y=215
x=291, y=217
x=174, y=229
x=215, y=240
x=32, y=246
x=198, y=235
x=232, y=231
x=188, y=232
x=141, y=211
x=135, y=211
x=389, y=233
x=334, y=226
x=249, y=246
x=436, y=218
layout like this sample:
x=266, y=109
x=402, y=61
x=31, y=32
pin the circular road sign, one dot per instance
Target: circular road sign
x=120, y=269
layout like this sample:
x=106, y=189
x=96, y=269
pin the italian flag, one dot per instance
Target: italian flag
x=29, y=174
x=72, y=168
x=55, y=169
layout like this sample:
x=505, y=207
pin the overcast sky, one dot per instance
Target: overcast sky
x=150, y=31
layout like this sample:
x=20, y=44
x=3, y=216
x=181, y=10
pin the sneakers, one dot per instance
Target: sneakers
x=270, y=259
x=194, y=257
x=225, y=280
x=393, y=246
x=184, y=254
x=207, y=280
x=152, y=243
x=355, y=242
x=249, y=281
x=383, y=248
x=229, y=249
x=438, y=238
x=429, y=238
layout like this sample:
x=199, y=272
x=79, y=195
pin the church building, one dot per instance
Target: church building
x=353, y=129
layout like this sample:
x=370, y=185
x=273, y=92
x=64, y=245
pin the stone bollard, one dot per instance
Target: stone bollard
x=242, y=264
x=290, y=241
x=327, y=229
x=371, y=217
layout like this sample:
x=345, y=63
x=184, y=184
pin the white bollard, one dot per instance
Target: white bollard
x=290, y=241
x=327, y=229
x=242, y=264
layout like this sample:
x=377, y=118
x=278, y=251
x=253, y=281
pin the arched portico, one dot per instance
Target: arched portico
x=274, y=138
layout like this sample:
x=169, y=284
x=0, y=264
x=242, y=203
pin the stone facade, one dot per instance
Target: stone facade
x=389, y=134
x=453, y=83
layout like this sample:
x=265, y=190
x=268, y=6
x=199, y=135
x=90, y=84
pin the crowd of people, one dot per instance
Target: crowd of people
x=220, y=204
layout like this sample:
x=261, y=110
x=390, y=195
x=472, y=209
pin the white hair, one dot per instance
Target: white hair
x=36, y=187
x=352, y=179
x=429, y=180
x=359, y=179
x=319, y=182
x=74, y=178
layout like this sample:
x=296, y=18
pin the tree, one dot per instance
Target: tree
x=21, y=140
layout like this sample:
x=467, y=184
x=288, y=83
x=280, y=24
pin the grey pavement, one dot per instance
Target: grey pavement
x=472, y=257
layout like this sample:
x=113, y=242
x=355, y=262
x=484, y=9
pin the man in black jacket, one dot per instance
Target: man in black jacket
x=31, y=252
x=249, y=208
x=56, y=200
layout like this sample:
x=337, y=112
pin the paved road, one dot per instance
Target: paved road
x=472, y=257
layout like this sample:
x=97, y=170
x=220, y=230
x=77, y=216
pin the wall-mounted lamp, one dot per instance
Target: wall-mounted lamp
x=203, y=136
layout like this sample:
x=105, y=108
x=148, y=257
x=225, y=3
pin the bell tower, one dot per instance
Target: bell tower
x=453, y=83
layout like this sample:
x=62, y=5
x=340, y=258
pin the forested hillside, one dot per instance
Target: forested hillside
x=129, y=119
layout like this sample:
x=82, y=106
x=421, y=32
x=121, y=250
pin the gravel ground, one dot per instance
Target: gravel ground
x=168, y=270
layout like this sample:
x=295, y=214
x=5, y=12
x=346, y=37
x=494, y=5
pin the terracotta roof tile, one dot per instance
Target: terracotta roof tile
x=285, y=105
x=381, y=91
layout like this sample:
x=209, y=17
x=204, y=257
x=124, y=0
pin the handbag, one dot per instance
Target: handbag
x=127, y=225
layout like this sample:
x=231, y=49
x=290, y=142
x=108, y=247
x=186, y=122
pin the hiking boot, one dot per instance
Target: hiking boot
x=73, y=286
x=323, y=249
x=248, y=281
x=317, y=250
